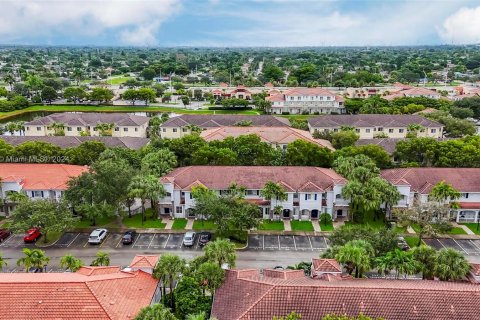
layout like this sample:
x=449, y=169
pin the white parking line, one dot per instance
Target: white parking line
x=168, y=238
x=278, y=237
x=458, y=244
x=4, y=241
x=326, y=244
x=68, y=245
x=151, y=240
x=294, y=243
x=105, y=240
x=473, y=243
x=263, y=242
x=138, y=237
x=310, y=240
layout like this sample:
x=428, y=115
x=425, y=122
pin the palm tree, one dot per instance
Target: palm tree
x=105, y=129
x=400, y=261
x=450, y=265
x=357, y=256
x=146, y=187
x=102, y=259
x=199, y=316
x=155, y=311
x=169, y=268
x=34, y=258
x=10, y=79
x=58, y=128
x=272, y=190
x=210, y=276
x=3, y=261
x=221, y=252
x=11, y=127
x=71, y=263
x=425, y=257
x=443, y=192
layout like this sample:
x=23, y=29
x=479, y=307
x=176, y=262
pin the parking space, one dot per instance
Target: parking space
x=159, y=241
x=174, y=241
x=66, y=239
x=286, y=243
x=15, y=241
x=465, y=246
x=143, y=240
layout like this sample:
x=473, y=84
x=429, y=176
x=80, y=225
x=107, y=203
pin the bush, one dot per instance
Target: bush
x=229, y=108
x=36, y=99
x=316, y=113
x=234, y=235
x=443, y=227
x=285, y=113
x=325, y=218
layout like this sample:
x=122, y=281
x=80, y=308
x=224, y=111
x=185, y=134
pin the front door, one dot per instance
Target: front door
x=286, y=213
x=314, y=214
x=340, y=213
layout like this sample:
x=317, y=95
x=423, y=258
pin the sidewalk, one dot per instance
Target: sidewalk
x=189, y=225
x=168, y=222
x=316, y=226
x=286, y=225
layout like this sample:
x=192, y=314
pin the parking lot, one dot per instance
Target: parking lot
x=465, y=246
x=143, y=241
x=287, y=242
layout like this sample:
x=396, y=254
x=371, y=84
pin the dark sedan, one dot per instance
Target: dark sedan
x=204, y=238
x=129, y=237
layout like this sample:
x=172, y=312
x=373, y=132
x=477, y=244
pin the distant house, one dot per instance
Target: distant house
x=78, y=124
x=278, y=137
x=311, y=190
x=71, y=141
x=323, y=267
x=103, y=293
x=417, y=183
x=414, y=92
x=240, y=92
x=369, y=126
x=388, y=144
x=37, y=181
x=306, y=100
x=262, y=295
x=180, y=126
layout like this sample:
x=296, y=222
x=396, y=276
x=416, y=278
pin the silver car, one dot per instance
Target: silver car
x=189, y=239
x=97, y=236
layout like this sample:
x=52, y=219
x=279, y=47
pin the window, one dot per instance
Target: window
x=433, y=130
x=400, y=130
x=465, y=195
x=390, y=130
x=338, y=196
x=380, y=129
x=184, y=129
x=164, y=130
x=94, y=129
x=183, y=194
x=28, y=128
x=357, y=130
x=39, y=128
x=191, y=196
x=136, y=129
x=315, y=196
x=79, y=129
x=174, y=129
x=335, y=130
x=308, y=196
x=252, y=192
x=117, y=129
x=367, y=130
x=178, y=209
x=69, y=128
x=37, y=194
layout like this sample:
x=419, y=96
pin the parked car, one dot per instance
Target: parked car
x=97, y=236
x=129, y=237
x=189, y=239
x=402, y=244
x=4, y=234
x=204, y=238
x=32, y=235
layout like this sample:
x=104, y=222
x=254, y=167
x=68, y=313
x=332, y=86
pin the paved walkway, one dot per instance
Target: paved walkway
x=286, y=225
x=189, y=225
x=410, y=230
x=168, y=221
x=316, y=226
x=338, y=224
x=464, y=227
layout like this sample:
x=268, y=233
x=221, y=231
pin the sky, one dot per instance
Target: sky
x=239, y=23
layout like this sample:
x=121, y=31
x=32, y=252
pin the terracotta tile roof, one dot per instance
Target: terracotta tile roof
x=144, y=261
x=40, y=176
x=402, y=86
x=271, y=135
x=422, y=180
x=91, y=119
x=469, y=205
x=412, y=91
x=111, y=295
x=68, y=141
x=214, y=121
x=388, y=144
x=220, y=177
x=94, y=271
x=254, y=296
x=309, y=92
x=276, y=98
x=326, y=265
x=370, y=120
x=268, y=85
x=475, y=269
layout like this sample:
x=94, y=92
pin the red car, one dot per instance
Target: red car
x=4, y=234
x=32, y=235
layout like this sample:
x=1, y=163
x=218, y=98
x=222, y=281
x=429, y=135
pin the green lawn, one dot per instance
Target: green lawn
x=52, y=237
x=412, y=241
x=326, y=227
x=81, y=108
x=457, y=230
x=136, y=222
x=99, y=223
x=368, y=219
x=118, y=80
x=271, y=225
x=301, y=225
x=204, y=225
x=473, y=227
x=179, y=224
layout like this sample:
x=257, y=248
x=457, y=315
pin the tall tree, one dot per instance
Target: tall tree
x=101, y=259
x=34, y=258
x=169, y=268
x=210, y=275
x=71, y=263
x=357, y=256
x=425, y=257
x=156, y=311
x=443, y=192
x=146, y=187
x=221, y=252
x=450, y=265
x=159, y=163
x=273, y=190
x=402, y=262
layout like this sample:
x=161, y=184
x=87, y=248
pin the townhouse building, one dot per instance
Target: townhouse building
x=71, y=141
x=37, y=181
x=369, y=126
x=417, y=183
x=181, y=126
x=277, y=137
x=413, y=92
x=310, y=191
x=306, y=100
x=80, y=124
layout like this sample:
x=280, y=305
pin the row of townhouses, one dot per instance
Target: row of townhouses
x=310, y=191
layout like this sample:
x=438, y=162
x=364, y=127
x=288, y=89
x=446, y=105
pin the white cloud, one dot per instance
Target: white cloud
x=136, y=21
x=462, y=27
